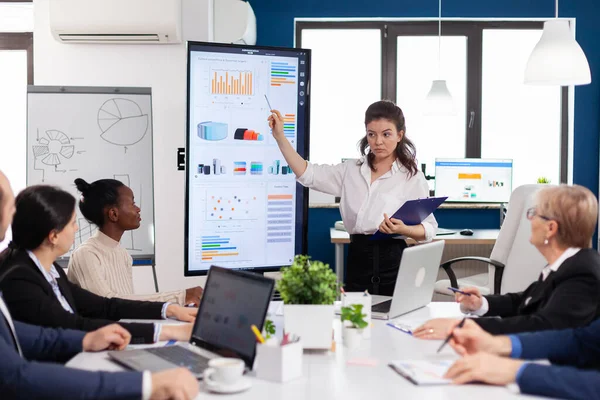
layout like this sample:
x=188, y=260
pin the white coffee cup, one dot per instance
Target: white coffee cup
x=224, y=371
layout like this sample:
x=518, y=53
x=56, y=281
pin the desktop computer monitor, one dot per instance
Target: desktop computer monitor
x=244, y=209
x=474, y=180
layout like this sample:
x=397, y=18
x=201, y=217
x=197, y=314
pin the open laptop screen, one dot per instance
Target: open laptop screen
x=232, y=302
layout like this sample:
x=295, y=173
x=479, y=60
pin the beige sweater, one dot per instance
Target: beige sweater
x=103, y=267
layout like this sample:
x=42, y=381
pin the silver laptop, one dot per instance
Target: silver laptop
x=232, y=302
x=415, y=283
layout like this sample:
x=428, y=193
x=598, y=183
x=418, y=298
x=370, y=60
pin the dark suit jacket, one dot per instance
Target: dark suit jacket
x=30, y=299
x=30, y=379
x=568, y=298
x=574, y=347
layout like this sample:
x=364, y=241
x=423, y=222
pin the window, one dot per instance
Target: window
x=342, y=88
x=483, y=62
x=16, y=72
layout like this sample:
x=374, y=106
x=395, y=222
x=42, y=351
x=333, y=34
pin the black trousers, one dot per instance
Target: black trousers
x=373, y=264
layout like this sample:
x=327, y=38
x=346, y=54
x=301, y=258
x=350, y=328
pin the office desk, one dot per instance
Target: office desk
x=480, y=236
x=329, y=376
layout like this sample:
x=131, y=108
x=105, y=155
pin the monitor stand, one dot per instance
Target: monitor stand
x=276, y=295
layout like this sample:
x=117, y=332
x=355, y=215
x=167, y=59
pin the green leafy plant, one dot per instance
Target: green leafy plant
x=306, y=282
x=543, y=179
x=355, y=316
x=269, y=329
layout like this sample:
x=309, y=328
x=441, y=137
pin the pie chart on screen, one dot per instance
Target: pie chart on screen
x=122, y=122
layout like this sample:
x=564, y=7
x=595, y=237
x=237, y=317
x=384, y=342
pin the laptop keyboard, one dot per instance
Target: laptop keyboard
x=182, y=357
x=382, y=307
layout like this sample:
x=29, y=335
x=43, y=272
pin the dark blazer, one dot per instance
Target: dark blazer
x=568, y=298
x=22, y=378
x=30, y=299
x=574, y=347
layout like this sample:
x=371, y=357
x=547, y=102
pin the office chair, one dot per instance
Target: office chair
x=514, y=262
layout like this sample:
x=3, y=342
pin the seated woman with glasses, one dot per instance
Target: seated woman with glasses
x=567, y=293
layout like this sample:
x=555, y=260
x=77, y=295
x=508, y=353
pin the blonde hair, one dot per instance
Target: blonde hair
x=574, y=208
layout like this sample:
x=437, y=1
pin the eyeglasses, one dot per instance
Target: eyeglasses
x=532, y=212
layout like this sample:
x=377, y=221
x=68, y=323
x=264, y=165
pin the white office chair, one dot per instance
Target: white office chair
x=514, y=262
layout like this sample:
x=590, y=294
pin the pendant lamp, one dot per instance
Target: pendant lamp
x=439, y=100
x=557, y=58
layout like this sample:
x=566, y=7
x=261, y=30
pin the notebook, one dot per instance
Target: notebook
x=423, y=372
x=413, y=212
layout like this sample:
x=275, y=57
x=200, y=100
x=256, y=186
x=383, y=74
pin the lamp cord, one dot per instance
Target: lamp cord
x=440, y=39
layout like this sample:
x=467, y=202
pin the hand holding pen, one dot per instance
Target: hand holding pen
x=460, y=325
x=469, y=298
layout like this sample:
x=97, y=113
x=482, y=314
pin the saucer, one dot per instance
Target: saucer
x=241, y=385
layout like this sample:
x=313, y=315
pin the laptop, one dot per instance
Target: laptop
x=232, y=302
x=415, y=283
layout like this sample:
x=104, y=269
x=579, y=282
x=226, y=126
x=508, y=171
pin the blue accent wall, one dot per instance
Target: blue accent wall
x=275, y=20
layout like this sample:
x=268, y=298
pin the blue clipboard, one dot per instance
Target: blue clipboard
x=413, y=212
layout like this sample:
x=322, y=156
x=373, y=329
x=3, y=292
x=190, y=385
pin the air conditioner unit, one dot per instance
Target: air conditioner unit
x=116, y=21
x=234, y=22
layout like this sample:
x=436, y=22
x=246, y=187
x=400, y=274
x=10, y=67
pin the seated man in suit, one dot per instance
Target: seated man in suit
x=28, y=368
x=567, y=293
x=576, y=350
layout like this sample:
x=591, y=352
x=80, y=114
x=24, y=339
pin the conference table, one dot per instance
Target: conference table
x=360, y=373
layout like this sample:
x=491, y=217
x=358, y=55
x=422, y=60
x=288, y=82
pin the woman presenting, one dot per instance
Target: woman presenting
x=371, y=189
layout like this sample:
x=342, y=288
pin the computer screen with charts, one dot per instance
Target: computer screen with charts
x=244, y=209
x=474, y=180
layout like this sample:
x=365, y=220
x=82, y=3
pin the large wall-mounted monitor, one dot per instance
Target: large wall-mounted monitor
x=244, y=209
x=474, y=180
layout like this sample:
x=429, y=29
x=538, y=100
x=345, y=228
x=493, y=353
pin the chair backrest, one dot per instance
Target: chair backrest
x=523, y=262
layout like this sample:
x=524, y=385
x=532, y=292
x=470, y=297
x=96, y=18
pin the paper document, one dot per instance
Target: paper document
x=406, y=325
x=423, y=372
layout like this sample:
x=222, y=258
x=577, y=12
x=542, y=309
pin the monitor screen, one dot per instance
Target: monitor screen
x=232, y=303
x=473, y=179
x=244, y=209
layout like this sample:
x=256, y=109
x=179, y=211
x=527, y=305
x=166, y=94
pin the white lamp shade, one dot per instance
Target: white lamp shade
x=439, y=100
x=557, y=59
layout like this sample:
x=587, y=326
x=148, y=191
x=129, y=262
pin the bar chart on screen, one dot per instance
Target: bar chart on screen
x=218, y=247
x=236, y=82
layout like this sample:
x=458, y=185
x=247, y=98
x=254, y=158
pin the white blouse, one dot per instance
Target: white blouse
x=363, y=203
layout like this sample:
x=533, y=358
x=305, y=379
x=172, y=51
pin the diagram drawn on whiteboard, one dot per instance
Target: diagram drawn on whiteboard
x=51, y=149
x=127, y=239
x=122, y=122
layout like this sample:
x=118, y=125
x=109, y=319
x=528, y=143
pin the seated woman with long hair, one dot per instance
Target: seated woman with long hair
x=101, y=265
x=38, y=292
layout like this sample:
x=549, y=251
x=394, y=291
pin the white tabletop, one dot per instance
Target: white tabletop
x=328, y=376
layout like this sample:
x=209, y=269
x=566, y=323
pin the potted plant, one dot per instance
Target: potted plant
x=543, y=179
x=308, y=290
x=353, y=323
x=269, y=329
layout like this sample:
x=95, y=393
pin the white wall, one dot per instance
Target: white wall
x=161, y=67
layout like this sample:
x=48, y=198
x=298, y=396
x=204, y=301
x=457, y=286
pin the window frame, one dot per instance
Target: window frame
x=473, y=30
x=20, y=41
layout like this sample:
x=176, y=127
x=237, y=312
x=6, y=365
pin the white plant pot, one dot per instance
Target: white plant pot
x=351, y=337
x=313, y=323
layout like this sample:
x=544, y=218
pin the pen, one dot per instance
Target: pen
x=460, y=325
x=458, y=291
x=399, y=328
x=257, y=333
x=268, y=103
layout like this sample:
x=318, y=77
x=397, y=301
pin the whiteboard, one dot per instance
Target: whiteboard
x=94, y=133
